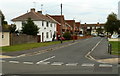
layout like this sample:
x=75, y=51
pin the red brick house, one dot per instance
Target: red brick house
x=60, y=20
x=78, y=27
x=92, y=28
x=72, y=24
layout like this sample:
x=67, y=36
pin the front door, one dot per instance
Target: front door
x=42, y=37
x=38, y=38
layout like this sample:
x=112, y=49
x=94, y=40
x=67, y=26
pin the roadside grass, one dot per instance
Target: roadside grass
x=22, y=47
x=115, y=47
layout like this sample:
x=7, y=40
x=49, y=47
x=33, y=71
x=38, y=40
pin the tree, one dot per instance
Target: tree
x=3, y=19
x=67, y=35
x=3, y=22
x=112, y=24
x=29, y=28
x=12, y=28
x=99, y=30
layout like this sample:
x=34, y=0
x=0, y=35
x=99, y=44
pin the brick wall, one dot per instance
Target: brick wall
x=22, y=38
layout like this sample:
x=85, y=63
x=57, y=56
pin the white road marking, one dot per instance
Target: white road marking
x=71, y=64
x=105, y=65
x=43, y=63
x=13, y=61
x=28, y=62
x=88, y=54
x=45, y=59
x=57, y=63
x=87, y=65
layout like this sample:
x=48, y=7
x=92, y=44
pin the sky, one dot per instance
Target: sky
x=84, y=11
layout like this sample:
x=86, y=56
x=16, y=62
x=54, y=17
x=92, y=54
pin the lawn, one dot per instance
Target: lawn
x=115, y=47
x=22, y=47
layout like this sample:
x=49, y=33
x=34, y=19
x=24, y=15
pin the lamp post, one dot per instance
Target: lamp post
x=61, y=25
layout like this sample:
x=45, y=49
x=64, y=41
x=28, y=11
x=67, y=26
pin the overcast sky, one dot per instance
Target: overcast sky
x=86, y=11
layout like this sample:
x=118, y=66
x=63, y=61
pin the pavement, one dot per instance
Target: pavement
x=102, y=57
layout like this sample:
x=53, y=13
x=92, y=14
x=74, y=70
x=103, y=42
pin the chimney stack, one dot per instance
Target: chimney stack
x=32, y=9
x=40, y=12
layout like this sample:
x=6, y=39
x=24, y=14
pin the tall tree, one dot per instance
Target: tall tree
x=112, y=24
x=3, y=19
x=12, y=28
x=99, y=30
x=29, y=28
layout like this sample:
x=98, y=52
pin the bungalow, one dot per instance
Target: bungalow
x=47, y=26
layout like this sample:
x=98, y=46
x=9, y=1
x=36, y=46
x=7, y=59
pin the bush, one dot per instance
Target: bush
x=67, y=35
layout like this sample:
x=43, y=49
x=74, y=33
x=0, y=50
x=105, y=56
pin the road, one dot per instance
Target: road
x=72, y=59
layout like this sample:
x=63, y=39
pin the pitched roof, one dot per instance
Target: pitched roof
x=71, y=22
x=58, y=18
x=93, y=24
x=53, y=19
x=77, y=24
x=35, y=16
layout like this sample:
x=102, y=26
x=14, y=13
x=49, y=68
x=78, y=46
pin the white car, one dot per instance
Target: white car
x=81, y=35
x=114, y=36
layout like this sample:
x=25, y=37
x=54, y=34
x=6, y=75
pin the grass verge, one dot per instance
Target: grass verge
x=115, y=47
x=21, y=47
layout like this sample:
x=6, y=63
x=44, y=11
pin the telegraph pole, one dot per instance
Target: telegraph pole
x=61, y=23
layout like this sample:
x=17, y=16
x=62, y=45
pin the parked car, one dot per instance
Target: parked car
x=101, y=35
x=118, y=36
x=114, y=36
x=94, y=34
x=81, y=35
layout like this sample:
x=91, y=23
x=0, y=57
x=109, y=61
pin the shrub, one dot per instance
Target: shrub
x=67, y=35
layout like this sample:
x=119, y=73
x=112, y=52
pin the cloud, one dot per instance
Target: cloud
x=84, y=10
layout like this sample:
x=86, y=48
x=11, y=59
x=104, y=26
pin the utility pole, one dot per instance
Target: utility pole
x=61, y=24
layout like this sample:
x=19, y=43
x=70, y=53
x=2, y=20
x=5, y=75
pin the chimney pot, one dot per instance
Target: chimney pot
x=40, y=12
x=32, y=9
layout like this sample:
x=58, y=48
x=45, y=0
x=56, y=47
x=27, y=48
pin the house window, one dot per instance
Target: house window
x=42, y=23
x=51, y=34
x=24, y=22
x=47, y=24
x=51, y=24
x=47, y=36
x=2, y=36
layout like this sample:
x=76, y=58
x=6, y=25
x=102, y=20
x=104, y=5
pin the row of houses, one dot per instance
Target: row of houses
x=51, y=25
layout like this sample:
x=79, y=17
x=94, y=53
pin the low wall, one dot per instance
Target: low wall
x=115, y=39
x=22, y=38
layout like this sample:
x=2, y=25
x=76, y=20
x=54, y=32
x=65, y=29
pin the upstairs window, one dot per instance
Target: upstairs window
x=42, y=23
x=51, y=24
x=2, y=35
x=47, y=24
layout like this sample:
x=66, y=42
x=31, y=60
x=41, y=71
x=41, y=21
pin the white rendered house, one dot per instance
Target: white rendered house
x=47, y=26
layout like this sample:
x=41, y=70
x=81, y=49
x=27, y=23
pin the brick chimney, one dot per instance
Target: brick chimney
x=40, y=12
x=32, y=9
